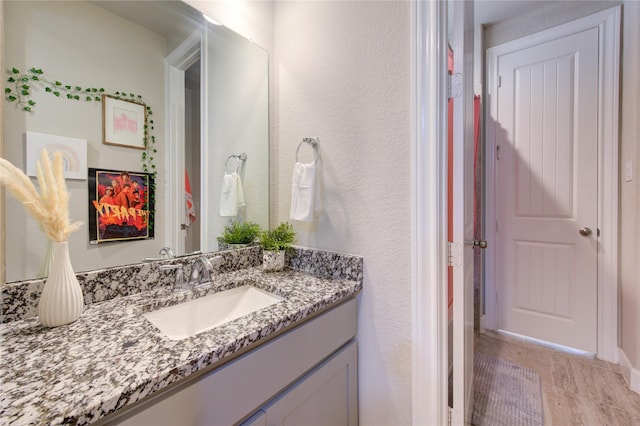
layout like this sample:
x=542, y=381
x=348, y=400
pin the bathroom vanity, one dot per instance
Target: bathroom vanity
x=292, y=360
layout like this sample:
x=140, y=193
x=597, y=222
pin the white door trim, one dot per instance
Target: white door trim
x=175, y=64
x=608, y=22
x=429, y=223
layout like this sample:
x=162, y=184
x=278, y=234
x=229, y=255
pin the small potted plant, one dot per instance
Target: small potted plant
x=238, y=235
x=274, y=243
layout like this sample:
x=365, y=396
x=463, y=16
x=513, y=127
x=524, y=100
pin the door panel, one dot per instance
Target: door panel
x=463, y=223
x=547, y=191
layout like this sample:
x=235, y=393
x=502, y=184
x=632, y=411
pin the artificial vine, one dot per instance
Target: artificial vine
x=23, y=84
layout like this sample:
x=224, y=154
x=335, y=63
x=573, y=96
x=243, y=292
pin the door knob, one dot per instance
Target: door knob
x=477, y=243
x=585, y=232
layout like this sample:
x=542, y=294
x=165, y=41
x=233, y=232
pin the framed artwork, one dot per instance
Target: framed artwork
x=74, y=153
x=123, y=122
x=120, y=206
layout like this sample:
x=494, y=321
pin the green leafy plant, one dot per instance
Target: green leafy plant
x=278, y=238
x=240, y=233
x=22, y=85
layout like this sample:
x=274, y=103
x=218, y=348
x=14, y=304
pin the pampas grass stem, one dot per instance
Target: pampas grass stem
x=50, y=207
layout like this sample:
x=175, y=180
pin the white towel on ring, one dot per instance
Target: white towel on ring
x=305, y=192
x=231, y=194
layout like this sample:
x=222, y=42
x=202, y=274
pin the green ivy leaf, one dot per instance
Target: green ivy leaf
x=7, y=90
x=48, y=89
x=97, y=99
x=58, y=83
x=56, y=93
x=11, y=80
x=94, y=90
x=15, y=71
x=25, y=93
x=31, y=102
x=89, y=98
x=88, y=90
x=69, y=96
x=27, y=109
x=76, y=97
x=12, y=98
x=25, y=79
x=67, y=87
x=78, y=88
x=25, y=86
x=35, y=78
x=101, y=90
x=155, y=150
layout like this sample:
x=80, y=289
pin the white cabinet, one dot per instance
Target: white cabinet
x=299, y=374
x=326, y=396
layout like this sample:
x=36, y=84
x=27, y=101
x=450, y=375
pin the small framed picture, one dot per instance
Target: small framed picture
x=123, y=122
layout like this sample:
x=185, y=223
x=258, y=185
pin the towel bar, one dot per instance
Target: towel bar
x=314, y=143
x=238, y=157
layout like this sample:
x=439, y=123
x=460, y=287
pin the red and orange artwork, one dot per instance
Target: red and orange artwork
x=119, y=206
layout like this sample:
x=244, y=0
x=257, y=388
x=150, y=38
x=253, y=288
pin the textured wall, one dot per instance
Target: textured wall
x=630, y=191
x=343, y=74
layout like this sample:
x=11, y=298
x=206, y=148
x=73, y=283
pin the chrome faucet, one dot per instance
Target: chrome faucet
x=166, y=252
x=202, y=269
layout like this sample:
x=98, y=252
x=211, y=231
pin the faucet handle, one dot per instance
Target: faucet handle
x=216, y=261
x=180, y=284
x=166, y=251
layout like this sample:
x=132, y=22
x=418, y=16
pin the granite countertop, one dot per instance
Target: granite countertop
x=112, y=356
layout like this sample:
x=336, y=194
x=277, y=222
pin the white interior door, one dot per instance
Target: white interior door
x=463, y=150
x=547, y=189
x=175, y=64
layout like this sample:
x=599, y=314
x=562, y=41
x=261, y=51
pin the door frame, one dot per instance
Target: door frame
x=608, y=23
x=429, y=322
x=176, y=63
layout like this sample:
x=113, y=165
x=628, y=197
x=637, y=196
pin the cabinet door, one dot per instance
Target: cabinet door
x=328, y=395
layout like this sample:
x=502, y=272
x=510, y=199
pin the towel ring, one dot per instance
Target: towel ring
x=238, y=157
x=314, y=143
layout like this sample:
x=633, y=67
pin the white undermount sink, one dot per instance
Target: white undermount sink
x=195, y=316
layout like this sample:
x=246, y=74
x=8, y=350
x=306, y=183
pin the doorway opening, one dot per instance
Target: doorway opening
x=192, y=155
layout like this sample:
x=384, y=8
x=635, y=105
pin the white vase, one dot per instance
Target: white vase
x=61, y=301
x=273, y=260
x=47, y=261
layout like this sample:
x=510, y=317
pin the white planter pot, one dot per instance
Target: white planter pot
x=61, y=301
x=273, y=260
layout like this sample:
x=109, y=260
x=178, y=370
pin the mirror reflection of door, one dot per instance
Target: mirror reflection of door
x=191, y=221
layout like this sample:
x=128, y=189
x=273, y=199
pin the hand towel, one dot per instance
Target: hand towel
x=305, y=192
x=231, y=194
x=191, y=211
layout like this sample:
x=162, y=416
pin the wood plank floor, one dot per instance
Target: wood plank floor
x=577, y=390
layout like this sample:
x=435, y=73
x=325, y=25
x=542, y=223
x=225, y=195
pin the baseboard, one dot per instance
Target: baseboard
x=630, y=374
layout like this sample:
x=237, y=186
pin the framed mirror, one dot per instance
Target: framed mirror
x=208, y=90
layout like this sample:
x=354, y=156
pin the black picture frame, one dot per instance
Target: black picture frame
x=120, y=206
